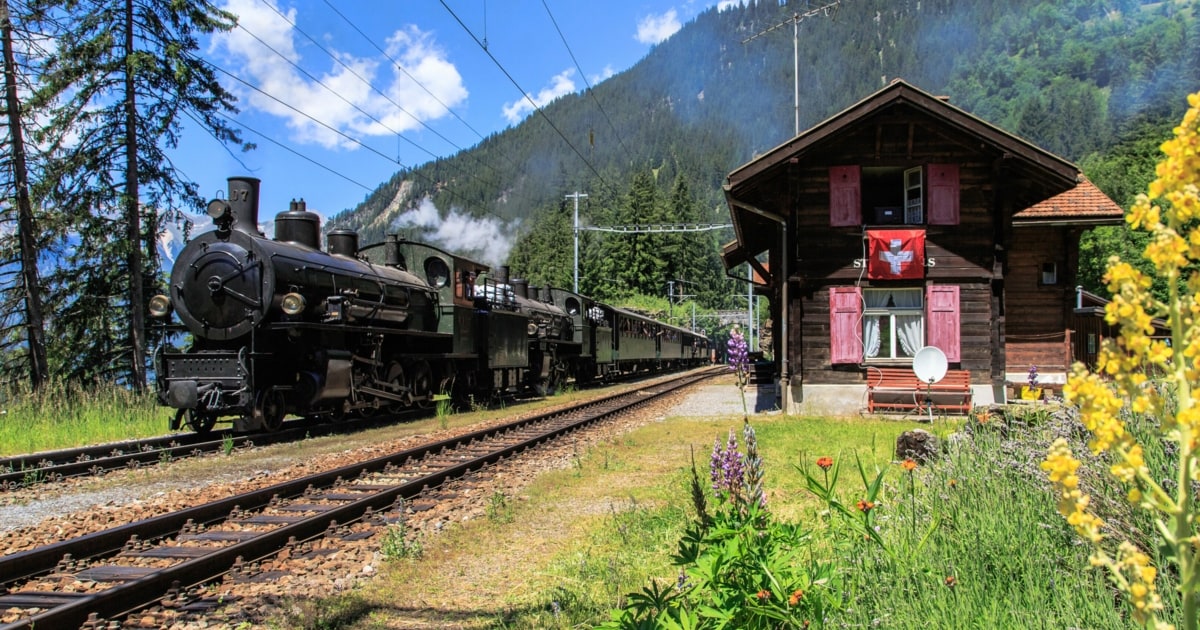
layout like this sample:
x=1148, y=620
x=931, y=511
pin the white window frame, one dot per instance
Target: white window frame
x=889, y=350
x=914, y=204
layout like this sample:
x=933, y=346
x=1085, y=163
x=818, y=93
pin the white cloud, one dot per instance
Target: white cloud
x=604, y=74
x=485, y=238
x=560, y=85
x=265, y=50
x=653, y=29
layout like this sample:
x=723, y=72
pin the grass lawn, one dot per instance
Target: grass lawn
x=972, y=540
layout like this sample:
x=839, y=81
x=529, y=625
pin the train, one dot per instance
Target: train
x=278, y=326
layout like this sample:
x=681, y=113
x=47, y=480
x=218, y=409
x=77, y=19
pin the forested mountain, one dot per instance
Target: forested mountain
x=653, y=144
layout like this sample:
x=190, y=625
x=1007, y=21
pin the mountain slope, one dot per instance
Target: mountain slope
x=1069, y=76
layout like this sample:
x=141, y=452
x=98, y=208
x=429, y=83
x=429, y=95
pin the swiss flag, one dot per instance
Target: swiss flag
x=896, y=254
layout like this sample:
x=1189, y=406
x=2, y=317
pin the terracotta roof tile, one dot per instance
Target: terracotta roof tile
x=1082, y=201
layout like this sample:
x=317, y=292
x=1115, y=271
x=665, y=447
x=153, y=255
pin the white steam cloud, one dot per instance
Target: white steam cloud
x=486, y=239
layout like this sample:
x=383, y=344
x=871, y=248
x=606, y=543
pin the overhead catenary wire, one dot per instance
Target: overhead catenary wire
x=332, y=129
x=417, y=82
x=528, y=98
x=583, y=76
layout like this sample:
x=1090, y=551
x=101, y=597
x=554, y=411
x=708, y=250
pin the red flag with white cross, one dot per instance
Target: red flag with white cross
x=896, y=254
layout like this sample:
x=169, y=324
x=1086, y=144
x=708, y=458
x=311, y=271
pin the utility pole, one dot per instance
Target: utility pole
x=576, y=195
x=796, y=19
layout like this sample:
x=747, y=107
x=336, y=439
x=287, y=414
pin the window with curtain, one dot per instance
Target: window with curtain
x=893, y=323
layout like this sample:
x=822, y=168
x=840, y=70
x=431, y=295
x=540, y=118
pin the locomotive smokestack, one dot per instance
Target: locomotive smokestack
x=391, y=251
x=243, y=204
x=520, y=287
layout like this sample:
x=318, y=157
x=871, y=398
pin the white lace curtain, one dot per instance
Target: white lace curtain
x=908, y=327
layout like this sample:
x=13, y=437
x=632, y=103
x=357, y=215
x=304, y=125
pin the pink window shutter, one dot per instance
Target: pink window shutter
x=845, y=196
x=845, y=318
x=943, y=194
x=942, y=320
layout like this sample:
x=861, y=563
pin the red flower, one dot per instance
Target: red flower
x=951, y=581
x=865, y=506
x=795, y=598
x=909, y=465
x=825, y=463
x=763, y=595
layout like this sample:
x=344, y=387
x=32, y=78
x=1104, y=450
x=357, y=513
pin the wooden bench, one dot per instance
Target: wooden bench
x=898, y=389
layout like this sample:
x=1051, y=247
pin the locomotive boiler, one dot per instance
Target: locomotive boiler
x=278, y=325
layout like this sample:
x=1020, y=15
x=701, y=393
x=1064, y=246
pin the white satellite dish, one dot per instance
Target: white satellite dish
x=929, y=364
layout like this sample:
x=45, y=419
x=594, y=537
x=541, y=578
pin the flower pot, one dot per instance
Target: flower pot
x=1031, y=393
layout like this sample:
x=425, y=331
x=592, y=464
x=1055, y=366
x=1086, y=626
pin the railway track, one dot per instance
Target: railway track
x=161, y=559
x=27, y=470
x=51, y=466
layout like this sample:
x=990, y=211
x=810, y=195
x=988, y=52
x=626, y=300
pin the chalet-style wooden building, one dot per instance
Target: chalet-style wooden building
x=902, y=222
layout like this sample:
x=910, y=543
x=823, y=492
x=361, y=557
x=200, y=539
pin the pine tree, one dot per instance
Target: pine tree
x=22, y=300
x=118, y=88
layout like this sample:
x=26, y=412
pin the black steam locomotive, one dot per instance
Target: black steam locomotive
x=280, y=327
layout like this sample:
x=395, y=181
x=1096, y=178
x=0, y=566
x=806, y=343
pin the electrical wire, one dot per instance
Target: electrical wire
x=332, y=129
x=583, y=76
x=528, y=98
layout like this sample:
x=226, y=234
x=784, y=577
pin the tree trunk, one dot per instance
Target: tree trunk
x=34, y=322
x=133, y=228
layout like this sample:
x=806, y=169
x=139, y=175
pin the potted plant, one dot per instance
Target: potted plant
x=1031, y=390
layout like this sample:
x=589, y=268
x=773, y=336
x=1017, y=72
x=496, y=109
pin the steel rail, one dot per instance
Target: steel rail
x=138, y=593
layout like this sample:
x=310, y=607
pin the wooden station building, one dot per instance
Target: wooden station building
x=902, y=222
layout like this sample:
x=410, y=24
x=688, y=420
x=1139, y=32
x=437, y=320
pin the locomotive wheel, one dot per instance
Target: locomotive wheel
x=395, y=379
x=422, y=384
x=270, y=408
x=199, y=422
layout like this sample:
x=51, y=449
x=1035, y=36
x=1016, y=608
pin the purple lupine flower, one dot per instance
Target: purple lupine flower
x=731, y=467
x=726, y=468
x=1033, y=376
x=739, y=359
x=753, y=479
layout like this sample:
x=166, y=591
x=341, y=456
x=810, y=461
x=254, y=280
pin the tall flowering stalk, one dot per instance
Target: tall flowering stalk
x=739, y=362
x=737, y=478
x=1169, y=213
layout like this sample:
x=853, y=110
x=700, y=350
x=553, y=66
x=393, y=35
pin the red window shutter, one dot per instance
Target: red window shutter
x=845, y=317
x=942, y=320
x=845, y=196
x=943, y=194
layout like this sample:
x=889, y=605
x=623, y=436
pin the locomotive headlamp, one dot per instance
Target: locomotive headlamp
x=292, y=304
x=160, y=306
x=218, y=208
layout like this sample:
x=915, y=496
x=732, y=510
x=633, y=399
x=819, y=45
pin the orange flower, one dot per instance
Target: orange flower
x=825, y=463
x=795, y=598
x=763, y=595
x=953, y=483
x=951, y=581
x=865, y=506
x=909, y=465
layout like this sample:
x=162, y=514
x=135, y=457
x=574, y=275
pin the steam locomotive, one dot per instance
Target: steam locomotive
x=278, y=326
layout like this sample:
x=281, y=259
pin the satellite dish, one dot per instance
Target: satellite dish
x=929, y=364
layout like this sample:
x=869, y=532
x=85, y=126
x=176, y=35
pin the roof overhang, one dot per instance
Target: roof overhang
x=899, y=93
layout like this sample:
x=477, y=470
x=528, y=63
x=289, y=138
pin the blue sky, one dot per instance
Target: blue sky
x=340, y=95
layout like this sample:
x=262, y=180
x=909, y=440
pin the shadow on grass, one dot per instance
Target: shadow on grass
x=354, y=612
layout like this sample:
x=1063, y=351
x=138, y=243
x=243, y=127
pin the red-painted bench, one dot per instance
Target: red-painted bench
x=898, y=389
